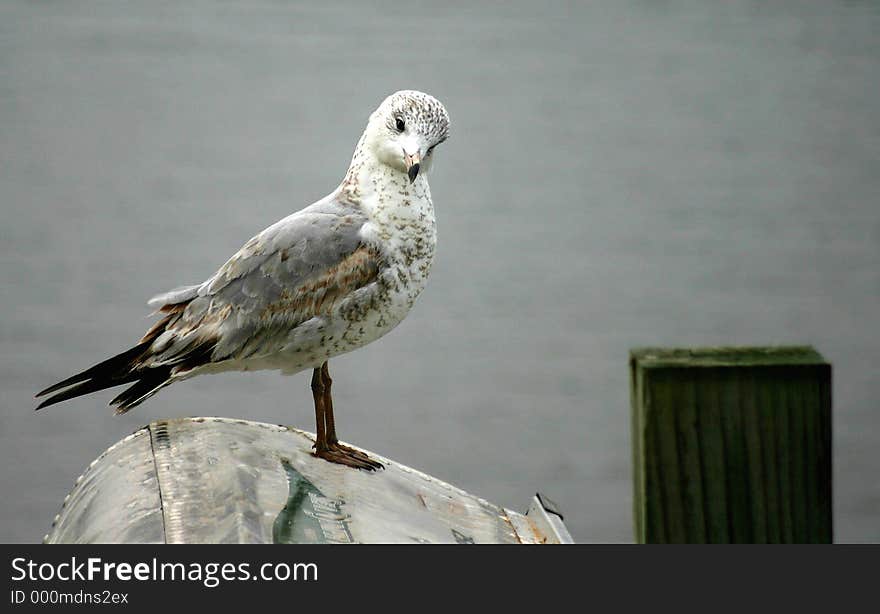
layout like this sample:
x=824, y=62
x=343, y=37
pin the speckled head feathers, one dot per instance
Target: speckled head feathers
x=424, y=112
x=403, y=132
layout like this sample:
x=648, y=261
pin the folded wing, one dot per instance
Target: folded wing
x=295, y=270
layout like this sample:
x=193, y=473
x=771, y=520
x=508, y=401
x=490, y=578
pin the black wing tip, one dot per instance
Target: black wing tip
x=47, y=403
x=123, y=369
x=114, y=367
x=56, y=398
x=56, y=387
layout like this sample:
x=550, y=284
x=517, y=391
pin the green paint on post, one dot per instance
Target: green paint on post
x=731, y=445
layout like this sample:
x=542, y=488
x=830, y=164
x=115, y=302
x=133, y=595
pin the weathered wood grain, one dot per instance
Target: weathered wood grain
x=731, y=445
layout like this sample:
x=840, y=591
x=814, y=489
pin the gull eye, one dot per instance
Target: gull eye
x=430, y=150
x=399, y=124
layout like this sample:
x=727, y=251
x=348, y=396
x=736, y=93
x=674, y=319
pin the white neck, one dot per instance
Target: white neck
x=385, y=192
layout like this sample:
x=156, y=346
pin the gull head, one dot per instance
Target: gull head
x=403, y=132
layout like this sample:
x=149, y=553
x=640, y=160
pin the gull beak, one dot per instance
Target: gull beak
x=412, y=165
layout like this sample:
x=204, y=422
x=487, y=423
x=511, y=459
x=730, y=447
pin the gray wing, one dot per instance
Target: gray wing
x=298, y=268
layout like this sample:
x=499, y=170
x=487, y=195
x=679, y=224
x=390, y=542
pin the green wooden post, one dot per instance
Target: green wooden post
x=731, y=445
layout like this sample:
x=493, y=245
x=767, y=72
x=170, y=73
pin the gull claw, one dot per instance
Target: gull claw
x=344, y=455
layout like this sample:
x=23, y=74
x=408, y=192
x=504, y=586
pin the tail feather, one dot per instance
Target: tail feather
x=152, y=380
x=130, y=366
x=125, y=368
x=150, y=383
x=115, y=366
x=115, y=371
x=86, y=387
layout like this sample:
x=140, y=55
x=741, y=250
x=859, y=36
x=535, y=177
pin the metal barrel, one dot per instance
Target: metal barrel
x=219, y=480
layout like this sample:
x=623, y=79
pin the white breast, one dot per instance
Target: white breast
x=403, y=225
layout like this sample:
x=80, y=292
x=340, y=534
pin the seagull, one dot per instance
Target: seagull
x=321, y=282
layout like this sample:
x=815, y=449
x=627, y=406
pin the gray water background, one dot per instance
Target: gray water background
x=620, y=174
